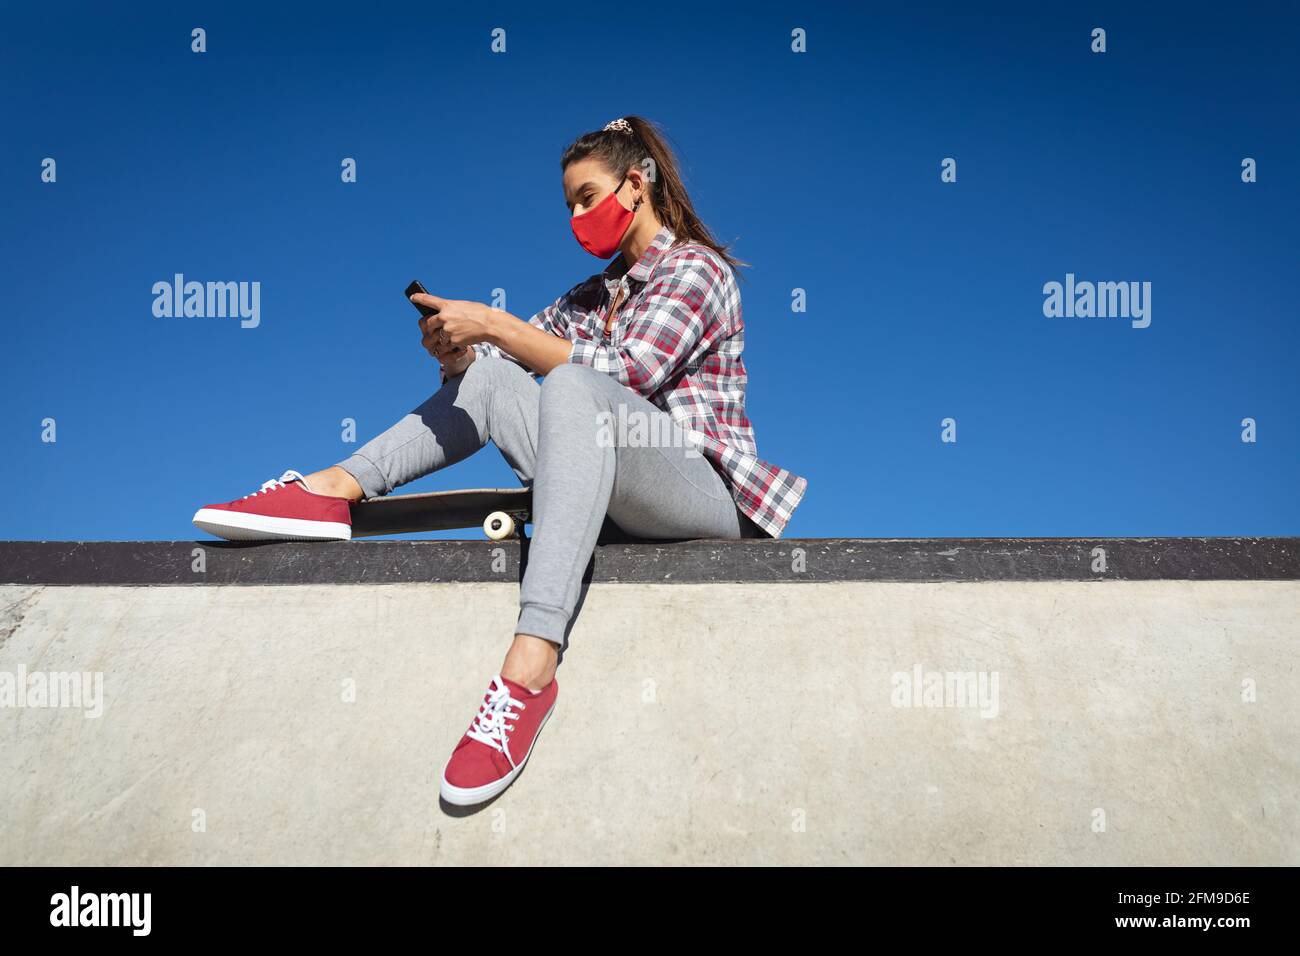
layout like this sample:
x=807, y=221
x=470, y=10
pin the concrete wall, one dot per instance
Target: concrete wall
x=696, y=723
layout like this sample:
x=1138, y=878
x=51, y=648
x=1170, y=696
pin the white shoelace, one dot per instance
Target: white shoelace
x=490, y=725
x=280, y=482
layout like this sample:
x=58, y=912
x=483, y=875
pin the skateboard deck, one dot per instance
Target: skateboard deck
x=509, y=509
x=443, y=511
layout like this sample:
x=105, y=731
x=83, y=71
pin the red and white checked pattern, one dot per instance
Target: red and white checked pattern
x=677, y=341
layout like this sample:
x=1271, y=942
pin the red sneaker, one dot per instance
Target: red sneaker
x=496, y=746
x=282, y=510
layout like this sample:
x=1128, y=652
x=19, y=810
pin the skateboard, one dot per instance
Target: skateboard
x=501, y=512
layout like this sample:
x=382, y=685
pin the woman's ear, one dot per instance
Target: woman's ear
x=636, y=177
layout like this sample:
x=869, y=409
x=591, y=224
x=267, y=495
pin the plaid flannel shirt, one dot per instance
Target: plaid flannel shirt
x=677, y=341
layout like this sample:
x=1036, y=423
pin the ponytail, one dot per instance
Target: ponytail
x=635, y=141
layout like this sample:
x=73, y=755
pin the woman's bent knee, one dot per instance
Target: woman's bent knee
x=573, y=378
x=494, y=368
x=491, y=375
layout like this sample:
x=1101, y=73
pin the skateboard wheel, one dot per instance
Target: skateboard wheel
x=499, y=525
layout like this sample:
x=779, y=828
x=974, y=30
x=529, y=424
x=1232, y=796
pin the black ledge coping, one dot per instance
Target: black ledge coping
x=688, y=562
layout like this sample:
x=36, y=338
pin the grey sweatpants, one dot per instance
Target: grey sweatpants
x=587, y=444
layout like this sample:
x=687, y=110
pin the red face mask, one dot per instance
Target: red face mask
x=601, y=228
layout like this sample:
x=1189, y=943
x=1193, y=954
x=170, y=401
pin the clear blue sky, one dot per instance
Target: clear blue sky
x=924, y=298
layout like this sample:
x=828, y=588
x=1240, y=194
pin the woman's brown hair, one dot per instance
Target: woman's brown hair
x=620, y=149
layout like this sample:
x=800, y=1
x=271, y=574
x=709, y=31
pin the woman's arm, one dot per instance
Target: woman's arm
x=539, y=343
x=677, y=313
x=539, y=350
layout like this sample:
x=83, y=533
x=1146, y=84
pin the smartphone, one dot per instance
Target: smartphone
x=414, y=288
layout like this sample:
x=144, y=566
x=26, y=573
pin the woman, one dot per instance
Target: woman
x=640, y=416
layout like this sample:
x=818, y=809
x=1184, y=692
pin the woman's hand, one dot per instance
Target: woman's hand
x=454, y=359
x=460, y=322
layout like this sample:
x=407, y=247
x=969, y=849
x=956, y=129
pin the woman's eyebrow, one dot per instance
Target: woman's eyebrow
x=577, y=192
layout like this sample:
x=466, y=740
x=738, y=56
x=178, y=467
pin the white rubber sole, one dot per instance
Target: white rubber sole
x=468, y=796
x=240, y=526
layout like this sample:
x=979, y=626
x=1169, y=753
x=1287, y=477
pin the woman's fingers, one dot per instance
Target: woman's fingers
x=441, y=347
x=451, y=329
x=429, y=301
x=432, y=342
x=432, y=325
x=438, y=340
x=450, y=358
